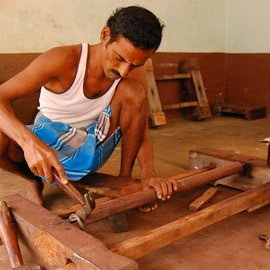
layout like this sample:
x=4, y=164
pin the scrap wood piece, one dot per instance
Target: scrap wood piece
x=138, y=187
x=139, y=246
x=203, y=199
x=85, y=251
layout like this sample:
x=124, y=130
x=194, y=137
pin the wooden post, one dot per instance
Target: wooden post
x=139, y=246
x=9, y=236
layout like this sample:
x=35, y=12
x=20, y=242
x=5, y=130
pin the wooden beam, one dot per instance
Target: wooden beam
x=146, y=196
x=126, y=190
x=54, y=242
x=139, y=246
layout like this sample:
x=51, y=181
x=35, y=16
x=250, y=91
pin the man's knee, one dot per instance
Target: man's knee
x=133, y=95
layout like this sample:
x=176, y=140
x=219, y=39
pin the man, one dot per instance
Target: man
x=87, y=104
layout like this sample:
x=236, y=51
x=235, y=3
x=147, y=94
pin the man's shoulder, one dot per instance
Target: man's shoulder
x=67, y=54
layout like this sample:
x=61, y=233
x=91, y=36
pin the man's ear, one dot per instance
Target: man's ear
x=105, y=34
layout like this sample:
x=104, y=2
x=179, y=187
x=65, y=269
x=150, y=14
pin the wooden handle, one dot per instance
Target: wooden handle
x=9, y=236
x=70, y=190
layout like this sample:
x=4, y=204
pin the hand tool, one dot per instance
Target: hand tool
x=86, y=201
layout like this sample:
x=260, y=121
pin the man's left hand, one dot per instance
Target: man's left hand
x=164, y=187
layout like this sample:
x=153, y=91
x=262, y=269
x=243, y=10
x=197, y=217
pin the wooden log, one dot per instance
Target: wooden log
x=9, y=236
x=138, y=187
x=126, y=190
x=139, y=246
x=53, y=242
x=146, y=196
x=203, y=199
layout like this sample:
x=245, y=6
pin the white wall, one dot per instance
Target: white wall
x=248, y=26
x=191, y=25
x=36, y=25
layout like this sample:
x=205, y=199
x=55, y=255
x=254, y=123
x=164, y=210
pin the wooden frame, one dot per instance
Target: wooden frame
x=57, y=244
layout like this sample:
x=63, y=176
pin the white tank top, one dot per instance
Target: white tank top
x=73, y=107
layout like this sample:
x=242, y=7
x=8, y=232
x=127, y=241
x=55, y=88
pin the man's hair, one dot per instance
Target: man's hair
x=137, y=24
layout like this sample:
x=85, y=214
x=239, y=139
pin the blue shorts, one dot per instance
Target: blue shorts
x=80, y=151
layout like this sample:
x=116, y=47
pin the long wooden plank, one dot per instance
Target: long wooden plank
x=54, y=242
x=154, y=239
x=140, y=198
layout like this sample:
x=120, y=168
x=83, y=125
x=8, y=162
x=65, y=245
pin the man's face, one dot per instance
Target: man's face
x=120, y=57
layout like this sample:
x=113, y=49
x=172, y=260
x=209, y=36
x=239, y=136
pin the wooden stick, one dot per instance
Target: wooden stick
x=139, y=246
x=203, y=199
x=129, y=189
x=138, y=187
x=9, y=236
x=146, y=196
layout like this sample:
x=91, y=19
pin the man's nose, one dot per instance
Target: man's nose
x=124, y=69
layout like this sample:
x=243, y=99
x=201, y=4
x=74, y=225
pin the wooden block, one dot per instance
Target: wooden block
x=203, y=199
x=248, y=112
x=118, y=222
x=158, y=118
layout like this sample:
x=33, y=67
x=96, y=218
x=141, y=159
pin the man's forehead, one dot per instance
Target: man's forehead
x=124, y=49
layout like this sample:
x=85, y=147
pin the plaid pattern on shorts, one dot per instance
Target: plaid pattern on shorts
x=80, y=151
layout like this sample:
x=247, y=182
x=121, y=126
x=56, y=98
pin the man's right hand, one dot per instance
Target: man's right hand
x=43, y=161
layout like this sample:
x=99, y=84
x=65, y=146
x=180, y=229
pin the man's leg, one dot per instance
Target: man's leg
x=129, y=108
x=12, y=160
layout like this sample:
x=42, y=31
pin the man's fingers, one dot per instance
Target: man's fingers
x=158, y=190
x=174, y=183
x=164, y=187
x=48, y=173
x=59, y=170
x=170, y=189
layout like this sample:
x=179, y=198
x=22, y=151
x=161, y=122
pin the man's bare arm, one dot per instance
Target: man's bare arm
x=39, y=157
x=163, y=186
